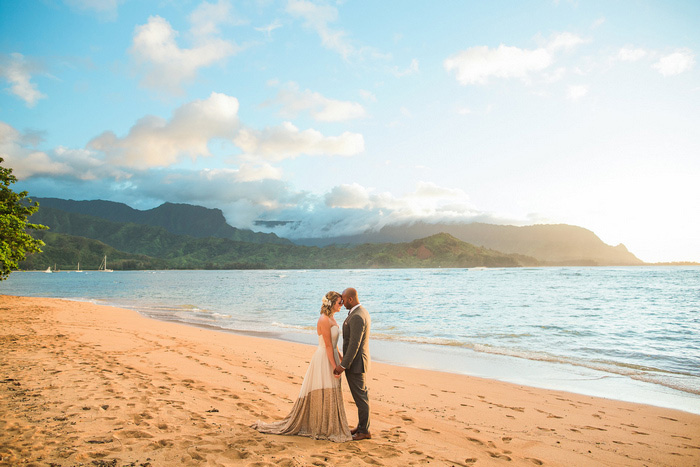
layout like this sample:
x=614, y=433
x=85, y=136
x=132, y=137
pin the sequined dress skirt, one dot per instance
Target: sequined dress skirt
x=318, y=412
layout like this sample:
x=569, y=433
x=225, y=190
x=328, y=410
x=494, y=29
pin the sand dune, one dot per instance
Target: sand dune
x=82, y=384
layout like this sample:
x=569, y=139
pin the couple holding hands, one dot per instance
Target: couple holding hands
x=319, y=411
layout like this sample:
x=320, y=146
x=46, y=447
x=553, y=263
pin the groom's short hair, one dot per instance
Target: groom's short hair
x=350, y=293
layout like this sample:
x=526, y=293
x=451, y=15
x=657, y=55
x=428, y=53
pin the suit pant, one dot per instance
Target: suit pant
x=358, y=389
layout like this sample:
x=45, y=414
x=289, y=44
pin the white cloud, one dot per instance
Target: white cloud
x=412, y=69
x=352, y=196
x=554, y=76
x=106, y=9
x=675, y=63
x=368, y=95
x=242, y=201
x=564, y=41
x=351, y=208
x=207, y=17
x=428, y=199
x=321, y=108
x=165, y=64
x=576, y=92
x=597, y=23
x=434, y=191
x=26, y=161
x=155, y=142
x=631, y=54
x=17, y=71
x=477, y=65
x=287, y=142
x=254, y=172
x=317, y=18
x=269, y=28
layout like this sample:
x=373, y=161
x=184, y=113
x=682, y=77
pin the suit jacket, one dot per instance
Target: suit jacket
x=356, y=341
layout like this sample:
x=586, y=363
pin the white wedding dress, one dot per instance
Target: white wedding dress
x=318, y=412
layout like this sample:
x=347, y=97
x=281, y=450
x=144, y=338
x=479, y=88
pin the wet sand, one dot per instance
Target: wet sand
x=82, y=384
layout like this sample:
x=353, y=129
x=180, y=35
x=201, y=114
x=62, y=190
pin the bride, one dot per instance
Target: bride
x=319, y=411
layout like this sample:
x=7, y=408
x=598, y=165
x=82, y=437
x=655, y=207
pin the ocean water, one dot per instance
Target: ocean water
x=623, y=333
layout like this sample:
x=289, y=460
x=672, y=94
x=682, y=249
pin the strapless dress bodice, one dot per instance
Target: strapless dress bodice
x=335, y=333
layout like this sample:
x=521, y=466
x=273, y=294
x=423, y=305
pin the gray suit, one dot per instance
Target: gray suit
x=356, y=361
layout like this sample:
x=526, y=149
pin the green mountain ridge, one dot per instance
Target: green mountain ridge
x=170, y=230
x=551, y=244
x=138, y=246
x=180, y=219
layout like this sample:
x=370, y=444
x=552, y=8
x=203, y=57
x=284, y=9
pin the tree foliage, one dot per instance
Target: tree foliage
x=15, y=208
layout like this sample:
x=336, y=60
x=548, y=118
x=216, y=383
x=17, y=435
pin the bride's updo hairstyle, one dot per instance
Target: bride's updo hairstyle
x=328, y=301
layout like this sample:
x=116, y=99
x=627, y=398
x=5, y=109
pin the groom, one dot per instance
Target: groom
x=356, y=359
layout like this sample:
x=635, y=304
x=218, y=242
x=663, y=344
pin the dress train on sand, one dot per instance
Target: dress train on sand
x=318, y=412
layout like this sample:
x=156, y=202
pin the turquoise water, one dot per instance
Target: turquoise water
x=623, y=333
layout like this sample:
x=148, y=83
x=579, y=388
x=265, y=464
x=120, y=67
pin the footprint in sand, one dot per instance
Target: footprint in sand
x=428, y=429
x=163, y=443
x=498, y=455
x=136, y=434
x=467, y=462
x=394, y=435
x=588, y=427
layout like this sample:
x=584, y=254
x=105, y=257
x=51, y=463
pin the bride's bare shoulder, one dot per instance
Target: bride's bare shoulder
x=323, y=322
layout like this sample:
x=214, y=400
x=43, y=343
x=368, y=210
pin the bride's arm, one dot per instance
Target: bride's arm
x=324, y=326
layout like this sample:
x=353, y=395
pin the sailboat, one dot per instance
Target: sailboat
x=48, y=270
x=103, y=265
x=78, y=270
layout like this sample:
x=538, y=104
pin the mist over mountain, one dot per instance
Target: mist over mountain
x=552, y=244
x=83, y=239
x=124, y=228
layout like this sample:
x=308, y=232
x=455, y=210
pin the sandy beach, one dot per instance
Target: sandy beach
x=82, y=384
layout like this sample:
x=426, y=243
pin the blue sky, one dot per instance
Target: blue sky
x=351, y=115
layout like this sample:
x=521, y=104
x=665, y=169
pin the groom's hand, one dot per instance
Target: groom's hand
x=338, y=370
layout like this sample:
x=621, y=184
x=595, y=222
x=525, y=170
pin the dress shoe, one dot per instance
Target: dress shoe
x=361, y=436
x=354, y=430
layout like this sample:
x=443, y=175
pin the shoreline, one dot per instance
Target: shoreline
x=558, y=376
x=542, y=374
x=84, y=383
